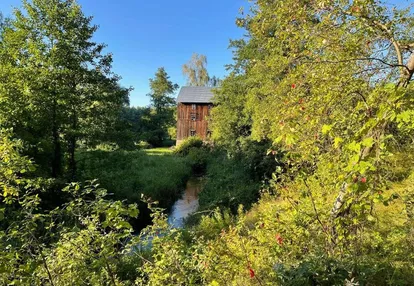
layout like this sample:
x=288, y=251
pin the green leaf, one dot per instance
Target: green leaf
x=326, y=128
x=368, y=142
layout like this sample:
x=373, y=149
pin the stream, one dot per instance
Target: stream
x=188, y=203
x=181, y=209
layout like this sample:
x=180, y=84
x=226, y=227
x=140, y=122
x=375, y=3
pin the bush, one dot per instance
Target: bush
x=236, y=180
x=198, y=158
x=191, y=142
x=143, y=145
x=274, y=245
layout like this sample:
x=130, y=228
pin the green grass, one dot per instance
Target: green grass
x=228, y=184
x=128, y=174
x=159, y=151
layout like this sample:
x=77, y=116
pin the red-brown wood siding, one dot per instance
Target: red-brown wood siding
x=185, y=123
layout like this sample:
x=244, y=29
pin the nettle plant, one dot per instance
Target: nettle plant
x=332, y=88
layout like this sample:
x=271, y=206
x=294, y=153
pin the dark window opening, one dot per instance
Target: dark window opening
x=192, y=133
x=193, y=116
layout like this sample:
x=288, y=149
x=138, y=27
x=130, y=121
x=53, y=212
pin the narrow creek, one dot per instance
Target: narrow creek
x=188, y=203
x=181, y=209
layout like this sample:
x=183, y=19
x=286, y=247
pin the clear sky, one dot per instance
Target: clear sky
x=144, y=35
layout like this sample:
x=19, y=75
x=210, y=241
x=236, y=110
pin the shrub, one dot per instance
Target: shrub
x=143, y=145
x=236, y=180
x=191, y=142
x=197, y=158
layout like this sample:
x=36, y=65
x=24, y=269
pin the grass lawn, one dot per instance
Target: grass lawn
x=159, y=151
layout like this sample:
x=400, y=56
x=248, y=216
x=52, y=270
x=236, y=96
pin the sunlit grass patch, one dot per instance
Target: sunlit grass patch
x=159, y=151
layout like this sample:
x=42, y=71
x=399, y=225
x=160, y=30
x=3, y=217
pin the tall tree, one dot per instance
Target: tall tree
x=163, y=103
x=161, y=90
x=196, y=71
x=214, y=81
x=329, y=82
x=57, y=86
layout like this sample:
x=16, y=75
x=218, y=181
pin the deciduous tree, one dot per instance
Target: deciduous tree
x=56, y=83
x=329, y=83
x=196, y=71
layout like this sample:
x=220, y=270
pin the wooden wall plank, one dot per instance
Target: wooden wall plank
x=185, y=123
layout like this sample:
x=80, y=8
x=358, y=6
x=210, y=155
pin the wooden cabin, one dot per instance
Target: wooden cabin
x=194, y=105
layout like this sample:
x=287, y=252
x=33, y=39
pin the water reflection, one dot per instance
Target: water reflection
x=187, y=204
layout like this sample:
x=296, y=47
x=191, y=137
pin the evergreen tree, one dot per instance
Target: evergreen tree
x=163, y=105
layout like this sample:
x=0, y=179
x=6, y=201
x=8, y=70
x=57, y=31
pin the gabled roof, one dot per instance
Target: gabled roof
x=195, y=94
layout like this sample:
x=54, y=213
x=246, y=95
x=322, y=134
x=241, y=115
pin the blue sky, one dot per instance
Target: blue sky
x=145, y=35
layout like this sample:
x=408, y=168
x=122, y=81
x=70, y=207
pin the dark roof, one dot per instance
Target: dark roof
x=195, y=94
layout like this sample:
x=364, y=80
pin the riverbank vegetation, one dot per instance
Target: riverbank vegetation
x=309, y=176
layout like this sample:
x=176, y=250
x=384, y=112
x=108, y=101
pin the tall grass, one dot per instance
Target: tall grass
x=128, y=174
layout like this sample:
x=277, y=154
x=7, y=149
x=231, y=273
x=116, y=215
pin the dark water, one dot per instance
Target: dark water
x=181, y=209
x=187, y=204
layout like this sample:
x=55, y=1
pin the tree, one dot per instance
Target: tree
x=329, y=83
x=195, y=70
x=162, y=102
x=161, y=90
x=214, y=81
x=230, y=119
x=57, y=86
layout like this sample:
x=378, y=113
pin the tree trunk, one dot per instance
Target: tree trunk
x=410, y=70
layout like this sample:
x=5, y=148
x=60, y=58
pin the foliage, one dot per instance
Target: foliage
x=143, y=145
x=78, y=243
x=214, y=81
x=128, y=174
x=317, y=113
x=230, y=118
x=268, y=246
x=191, y=142
x=328, y=84
x=231, y=178
x=228, y=185
x=12, y=167
x=195, y=70
x=161, y=89
x=198, y=158
x=56, y=84
x=162, y=117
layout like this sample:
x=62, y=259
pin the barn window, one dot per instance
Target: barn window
x=193, y=116
x=193, y=106
x=192, y=133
